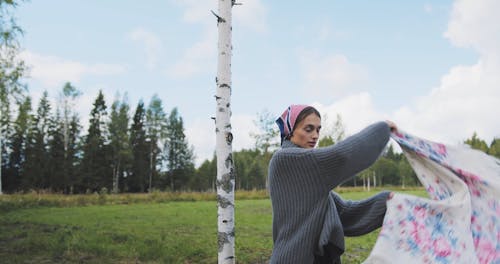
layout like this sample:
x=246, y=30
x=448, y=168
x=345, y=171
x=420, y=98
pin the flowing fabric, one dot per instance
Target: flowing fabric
x=460, y=223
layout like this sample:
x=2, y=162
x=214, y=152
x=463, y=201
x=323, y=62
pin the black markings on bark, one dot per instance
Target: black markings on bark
x=219, y=19
x=224, y=203
x=222, y=238
x=225, y=85
x=233, y=3
x=229, y=138
x=225, y=183
x=229, y=160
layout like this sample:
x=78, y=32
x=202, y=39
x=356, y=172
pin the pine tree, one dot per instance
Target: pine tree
x=35, y=172
x=178, y=155
x=494, y=149
x=156, y=131
x=56, y=172
x=18, y=148
x=96, y=172
x=136, y=181
x=476, y=143
x=205, y=176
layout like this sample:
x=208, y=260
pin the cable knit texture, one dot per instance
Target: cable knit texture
x=310, y=220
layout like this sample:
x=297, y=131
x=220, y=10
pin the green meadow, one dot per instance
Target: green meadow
x=147, y=228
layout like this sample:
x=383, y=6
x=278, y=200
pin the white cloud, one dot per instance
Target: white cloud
x=242, y=127
x=197, y=11
x=198, y=58
x=476, y=24
x=468, y=96
x=357, y=111
x=196, y=134
x=330, y=76
x=251, y=14
x=151, y=45
x=428, y=8
x=201, y=134
x=55, y=71
x=465, y=102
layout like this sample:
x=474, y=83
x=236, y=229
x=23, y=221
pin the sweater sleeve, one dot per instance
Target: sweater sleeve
x=338, y=162
x=361, y=217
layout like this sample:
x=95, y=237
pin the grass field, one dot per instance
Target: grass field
x=149, y=230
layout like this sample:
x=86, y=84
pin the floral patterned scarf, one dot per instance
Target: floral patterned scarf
x=461, y=221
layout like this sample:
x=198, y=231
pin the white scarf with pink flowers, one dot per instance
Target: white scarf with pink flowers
x=461, y=221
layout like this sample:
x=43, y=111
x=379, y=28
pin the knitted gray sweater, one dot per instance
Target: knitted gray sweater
x=309, y=220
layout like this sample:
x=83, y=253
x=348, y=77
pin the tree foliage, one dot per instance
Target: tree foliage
x=119, y=149
x=136, y=182
x=12, y=69
x=96, y=172
x=178, y=155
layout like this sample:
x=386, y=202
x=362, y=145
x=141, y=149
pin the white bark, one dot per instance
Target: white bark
x=224, y=138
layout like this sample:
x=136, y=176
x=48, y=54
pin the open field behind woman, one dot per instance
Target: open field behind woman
x=143, y=228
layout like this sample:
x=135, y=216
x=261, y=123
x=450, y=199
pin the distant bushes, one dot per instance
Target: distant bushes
x=35, y=199
x=10, y=202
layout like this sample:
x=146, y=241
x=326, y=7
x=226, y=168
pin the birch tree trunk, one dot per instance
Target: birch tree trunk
x=224, y=137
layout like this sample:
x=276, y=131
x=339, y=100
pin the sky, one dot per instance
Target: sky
x=432, y=67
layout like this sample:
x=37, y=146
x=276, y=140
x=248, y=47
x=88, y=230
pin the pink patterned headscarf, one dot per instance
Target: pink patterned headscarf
x=286, y=121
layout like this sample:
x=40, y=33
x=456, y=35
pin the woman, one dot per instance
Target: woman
x=309, y=220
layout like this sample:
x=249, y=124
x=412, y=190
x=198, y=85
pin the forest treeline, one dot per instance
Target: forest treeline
x=44, y=145
x=145, y=148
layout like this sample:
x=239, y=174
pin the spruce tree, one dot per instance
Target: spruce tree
x=156, y=131
x=56, y=174
x=35, y=172
x=96, y=172
x=178, y=155
x=18, y=147
x=494, y=149
x=136, y=181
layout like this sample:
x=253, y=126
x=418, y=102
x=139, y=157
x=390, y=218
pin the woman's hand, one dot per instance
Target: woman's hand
x=392, y=126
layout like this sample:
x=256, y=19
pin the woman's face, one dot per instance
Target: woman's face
x=306, y=132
